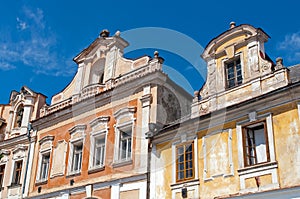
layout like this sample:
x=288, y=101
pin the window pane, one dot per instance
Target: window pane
x=189, y=173
x=184, y=167
x=260, y=142
x=180, y=175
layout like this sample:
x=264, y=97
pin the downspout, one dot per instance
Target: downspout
x=29, y=128
x=149, y=165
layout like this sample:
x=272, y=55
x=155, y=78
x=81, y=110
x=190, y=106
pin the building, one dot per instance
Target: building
x=91, y=139
x=18, y=141
x=242, y=137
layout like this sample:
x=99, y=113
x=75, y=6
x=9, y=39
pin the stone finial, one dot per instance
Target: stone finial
x=160, y=59
x=232, y=24
x=118, y=33
x=279, y=63
x=104, y=33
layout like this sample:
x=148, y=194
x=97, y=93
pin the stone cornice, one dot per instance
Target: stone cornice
x=12, y=142
x=99, y=100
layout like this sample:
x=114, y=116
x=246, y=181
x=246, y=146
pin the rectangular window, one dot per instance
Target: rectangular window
x=45, y=166
x=2, y=169
x=17, y=173
x=255, y=144
x=185, y=162
x=99, y=151
x=125, y=144
x=233, y=73
x=77, y=157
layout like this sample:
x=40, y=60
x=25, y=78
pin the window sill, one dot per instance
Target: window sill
x=14, y=185
x=187, y=183
x=96, y=169
x=122, y=163
x=41, y=182
x=74, y=173
x=257, y=168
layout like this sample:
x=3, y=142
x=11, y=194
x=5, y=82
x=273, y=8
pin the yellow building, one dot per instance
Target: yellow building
x=242, y=138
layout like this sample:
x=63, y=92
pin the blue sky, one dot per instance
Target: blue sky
x=38, y=38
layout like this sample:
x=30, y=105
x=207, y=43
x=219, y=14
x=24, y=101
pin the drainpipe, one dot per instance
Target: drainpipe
x=29, y=128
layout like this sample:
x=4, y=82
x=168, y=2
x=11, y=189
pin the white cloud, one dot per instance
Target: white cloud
x=21, y=24
x=291, y=47
x=6, y=66
x=34, y=47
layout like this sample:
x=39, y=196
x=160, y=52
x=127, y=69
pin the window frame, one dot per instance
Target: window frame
x=184, y=162
x=41, y=177
x=246, y=157
x=226, y=63
x=2, y=173
x=103, y=151
x=16, y=170
x=74, y=153
x=127, y=139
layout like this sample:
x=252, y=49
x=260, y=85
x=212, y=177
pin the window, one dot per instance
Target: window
x=99, y=152
x=2, y=169
x=255, y=144
x=45, y=166
x=233, y=73
x=77, y=158
x=184, y=162
x=19, y=116
x=125, y=144
x=17, y=172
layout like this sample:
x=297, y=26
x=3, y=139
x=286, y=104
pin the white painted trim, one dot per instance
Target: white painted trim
x=239, y=134
x=270, y=137
x=96, y=134
x=123, y=112
x=115, y=191
x=141, y=186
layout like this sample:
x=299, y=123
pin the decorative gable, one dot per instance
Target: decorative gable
x=238, y=69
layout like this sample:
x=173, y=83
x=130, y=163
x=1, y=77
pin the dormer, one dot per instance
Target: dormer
x=238, y=69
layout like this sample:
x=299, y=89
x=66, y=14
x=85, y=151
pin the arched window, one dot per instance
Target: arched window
x=19, y=116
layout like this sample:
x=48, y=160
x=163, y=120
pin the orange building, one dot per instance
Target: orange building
x=91, y=140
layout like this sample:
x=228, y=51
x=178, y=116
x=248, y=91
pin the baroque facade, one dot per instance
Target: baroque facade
x=242, y=138
x=122, y=129
x=91, y=140
x=18, y=141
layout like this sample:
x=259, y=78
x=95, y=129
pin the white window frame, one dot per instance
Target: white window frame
x=224, y=64
x=77, y=155
x=45, y=141
x=18, y=155
x=94, y=137
x=126, y=114
x=269, y=167
x=14, y=172
x=192, y=185
x=128, y=152
x=77, y=138
x=39, y=177
x=99, y=130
